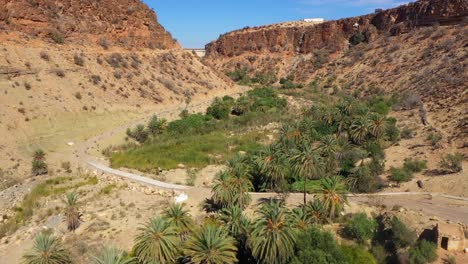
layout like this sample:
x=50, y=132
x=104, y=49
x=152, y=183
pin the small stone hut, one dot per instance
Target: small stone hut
x=450, y=237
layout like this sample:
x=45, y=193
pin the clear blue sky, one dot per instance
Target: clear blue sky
x=195, y=23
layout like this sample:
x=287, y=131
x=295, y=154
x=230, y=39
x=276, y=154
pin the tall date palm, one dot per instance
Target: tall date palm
x=157, y=242
x=211, y=245
x=273, y=237
x=47, y=250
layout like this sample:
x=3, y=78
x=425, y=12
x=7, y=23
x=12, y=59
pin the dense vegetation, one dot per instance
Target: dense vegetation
x=343, y=139
x=196, y=140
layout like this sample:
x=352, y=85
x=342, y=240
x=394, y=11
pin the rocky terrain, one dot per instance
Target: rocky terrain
x=74, y=68
x=418, y=48
x=127, y=23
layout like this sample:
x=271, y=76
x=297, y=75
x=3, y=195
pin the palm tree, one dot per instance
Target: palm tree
x=39, y=154
x=73, y=216
x=273, y=164
x=359, y=129
x=221, y=189
x=112, y=255
x=239, y=181
x=235, y=221
x=157, y=242
x=316, y=212
x=179, y=217
x=47, y=250
x=332, y=193
x=156, y=126
x=377, y=125
x=272, y=240
x=300, y=218
x=211, y=245
x=307, y=163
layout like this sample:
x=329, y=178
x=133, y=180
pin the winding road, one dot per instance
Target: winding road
x=443, y=206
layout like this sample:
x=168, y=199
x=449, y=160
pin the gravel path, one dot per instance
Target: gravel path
x=445, y=206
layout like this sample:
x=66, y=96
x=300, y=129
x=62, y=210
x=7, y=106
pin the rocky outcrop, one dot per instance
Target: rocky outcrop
x=127, y=23
x=334, y=35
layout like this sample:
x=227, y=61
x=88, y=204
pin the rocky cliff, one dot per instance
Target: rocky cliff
x=335, y=35
x=417, y=49
x=127, y=23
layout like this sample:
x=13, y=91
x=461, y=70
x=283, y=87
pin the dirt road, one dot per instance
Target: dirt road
x=432, y=204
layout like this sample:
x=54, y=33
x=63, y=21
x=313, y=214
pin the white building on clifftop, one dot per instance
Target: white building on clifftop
x=314, y=20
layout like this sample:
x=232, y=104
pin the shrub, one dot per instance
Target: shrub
x=59, y=72
x=357, y=255
x=39, y=167
x=379, y=254
x=66, y=165
x=79, y=60
x=219, y=109
x=156, y=126
x=44, y=55
x=192, y=124
x=27, y=86
x=361, y=228
x=95, y=79
x=452, y=162
x=402, y=235
x=400, y=175
x=434, y=138
x=57, y=37
x=265, y=78
x=357, y=38
x=415, y=165
x=424, y=252
x=239, y=75
x=265, y=99
x=78, y=95
x=451, y=260
x=407, y=133
x=392, y=132
x=138, y=133
x=317, y=246
x=104, y=43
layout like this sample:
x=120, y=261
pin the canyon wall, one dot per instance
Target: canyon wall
x=128, y=23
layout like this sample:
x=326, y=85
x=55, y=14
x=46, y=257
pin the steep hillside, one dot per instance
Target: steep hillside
x=122, y=22
x=419, y=48
x=105, y=67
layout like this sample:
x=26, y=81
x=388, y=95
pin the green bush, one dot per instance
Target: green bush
x=434, y=138
x=357, y=38
x=191, y=124
x=407, y=133
x=239, y=75
x=139, y=133
x=392, y=132
x=314, y=246
x=219, y=108
x=357, y=255
x=415, y=165
x=39, y=167
x=402, y=235
x=400, y=174
x=265, y=78
x=156, y=126
x=451, y=260
x=265, y=99
x=361, y=228
x=379, y=254
x=452, y=162
x=424, y=252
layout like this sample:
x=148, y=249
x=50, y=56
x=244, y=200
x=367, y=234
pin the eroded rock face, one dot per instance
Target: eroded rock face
x=334, y=35
x=107, y=22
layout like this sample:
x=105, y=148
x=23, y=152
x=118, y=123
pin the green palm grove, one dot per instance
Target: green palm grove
x=320, y=154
